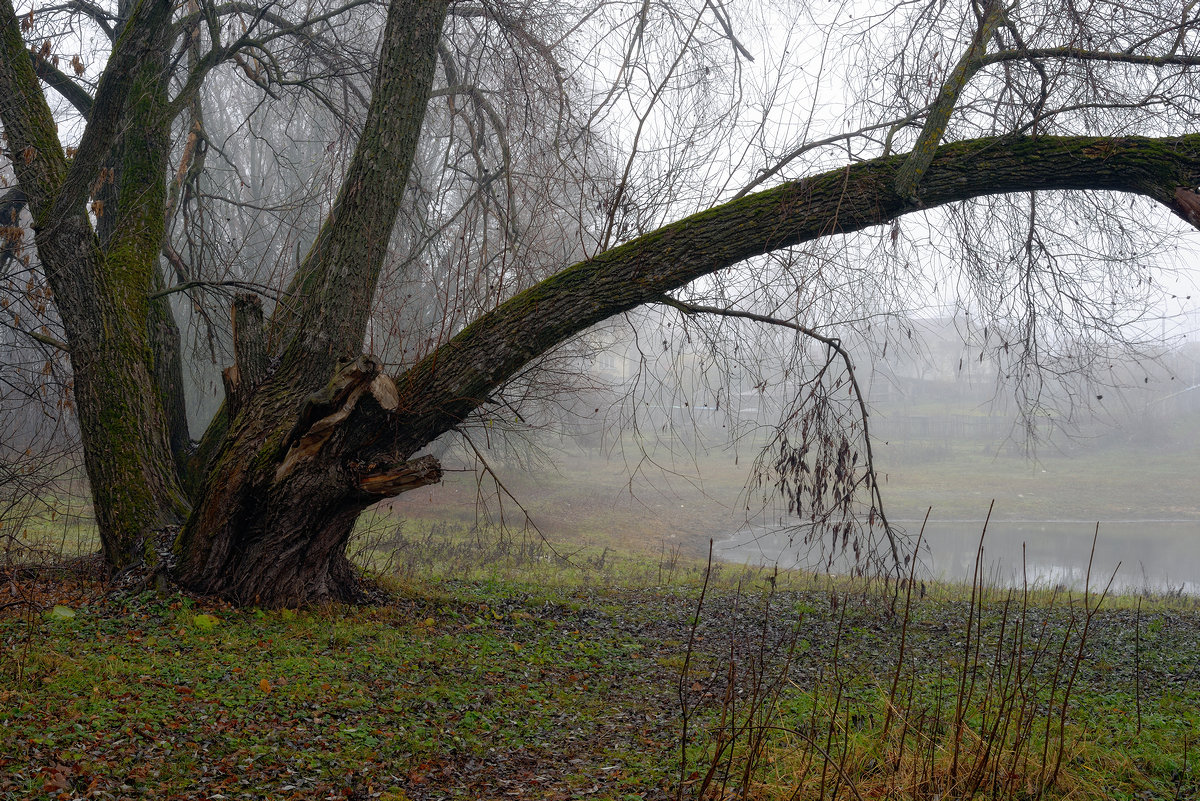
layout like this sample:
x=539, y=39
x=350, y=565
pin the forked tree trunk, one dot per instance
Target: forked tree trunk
x=299, y=451
x=285, y=491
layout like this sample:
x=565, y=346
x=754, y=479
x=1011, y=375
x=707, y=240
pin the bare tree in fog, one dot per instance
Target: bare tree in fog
x=482, y=183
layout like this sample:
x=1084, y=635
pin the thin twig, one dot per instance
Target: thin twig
x=824, y=754
x=189, y=285
x=1089, y=613
x=904, y=627
x=528, y=518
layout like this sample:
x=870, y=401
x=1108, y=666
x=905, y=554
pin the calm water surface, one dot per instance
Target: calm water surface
x=1156, y=555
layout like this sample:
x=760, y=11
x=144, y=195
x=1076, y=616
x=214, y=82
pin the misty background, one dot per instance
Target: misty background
x=655, y=458
x=646, y=446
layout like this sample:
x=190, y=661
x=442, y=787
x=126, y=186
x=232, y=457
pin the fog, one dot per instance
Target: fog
x=662, y=461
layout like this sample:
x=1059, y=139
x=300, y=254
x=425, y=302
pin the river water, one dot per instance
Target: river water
x=1161, y=556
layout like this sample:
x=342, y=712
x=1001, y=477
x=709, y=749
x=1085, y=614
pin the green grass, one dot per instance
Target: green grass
x=139, y=698
x=547, y=660
x=558, y=687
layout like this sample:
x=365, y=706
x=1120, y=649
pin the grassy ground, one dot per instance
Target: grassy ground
x=559, y=667
x=532, y=678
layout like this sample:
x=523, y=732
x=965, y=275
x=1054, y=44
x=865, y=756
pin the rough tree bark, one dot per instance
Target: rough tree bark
x=304, y=454
x=101, y=294
x=314, y=434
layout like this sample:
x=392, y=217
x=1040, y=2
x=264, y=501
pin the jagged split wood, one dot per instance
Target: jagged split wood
x=324, y=409
x=1187, y=205
x=305, y=491
x=388, y=482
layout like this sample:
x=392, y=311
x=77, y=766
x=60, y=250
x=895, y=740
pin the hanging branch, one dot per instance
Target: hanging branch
x=487, y=468
x=836, y=346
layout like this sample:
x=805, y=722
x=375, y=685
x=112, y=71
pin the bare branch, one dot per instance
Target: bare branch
x=487, y=468
x=1074, y=53
x=834, y=344
x=62, y=83
x=768, y=173
x=723, y=19
x=908, y=176
x=187, y=286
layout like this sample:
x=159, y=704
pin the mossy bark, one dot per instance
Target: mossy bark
x=101, y=294
x=282, y=495
x=908, y=176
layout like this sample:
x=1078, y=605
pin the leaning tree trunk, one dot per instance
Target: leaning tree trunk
x=283, y=529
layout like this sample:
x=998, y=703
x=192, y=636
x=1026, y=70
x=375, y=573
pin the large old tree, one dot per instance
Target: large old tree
x=313, y=430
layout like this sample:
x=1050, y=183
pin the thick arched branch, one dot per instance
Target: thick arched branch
x=284, y=26
x=106, y=19
x=441, y=390
x=835, y=345
x=187, y=286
